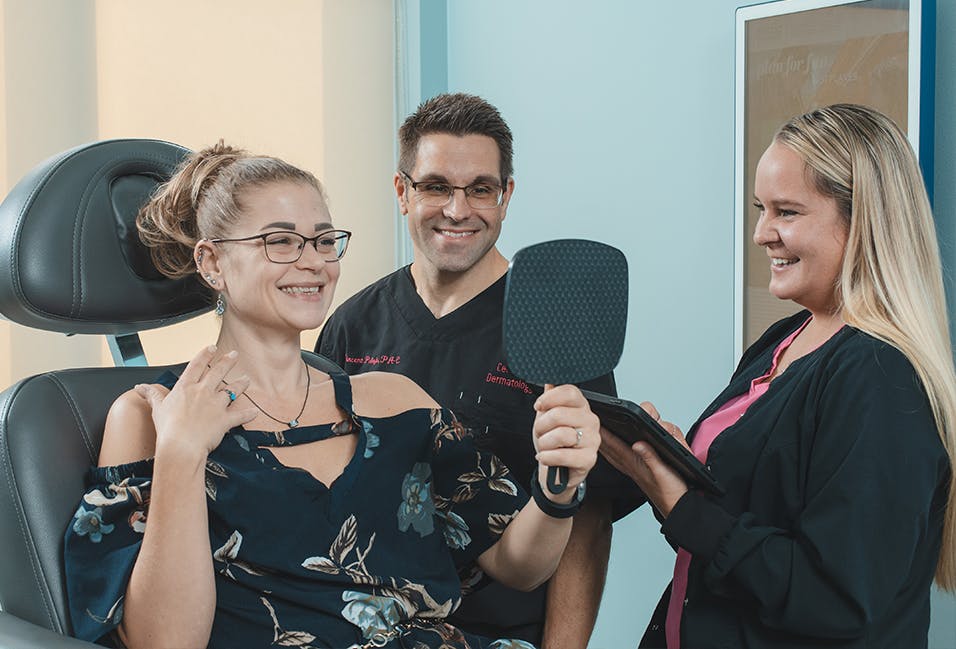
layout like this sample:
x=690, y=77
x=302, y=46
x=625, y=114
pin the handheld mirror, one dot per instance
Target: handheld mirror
x=565, y=315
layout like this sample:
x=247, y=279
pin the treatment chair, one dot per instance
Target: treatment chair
x=71, y=262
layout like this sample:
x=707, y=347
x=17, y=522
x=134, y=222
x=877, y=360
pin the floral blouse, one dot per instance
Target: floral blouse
x=369, y=561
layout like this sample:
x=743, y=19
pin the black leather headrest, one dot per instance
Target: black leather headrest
x=70, y=257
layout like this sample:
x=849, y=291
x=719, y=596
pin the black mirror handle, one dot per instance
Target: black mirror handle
x=557, y=479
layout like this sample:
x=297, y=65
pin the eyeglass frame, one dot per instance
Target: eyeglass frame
x=451, y=194
x=313, y=240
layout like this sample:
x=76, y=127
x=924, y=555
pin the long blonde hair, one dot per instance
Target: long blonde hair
x=891, y=284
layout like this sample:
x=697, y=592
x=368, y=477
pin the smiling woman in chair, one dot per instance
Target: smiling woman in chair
x=256, y=501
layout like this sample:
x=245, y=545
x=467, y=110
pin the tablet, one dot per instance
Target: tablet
x=631, y=423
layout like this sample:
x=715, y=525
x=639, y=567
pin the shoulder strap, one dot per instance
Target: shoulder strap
x=340, y=380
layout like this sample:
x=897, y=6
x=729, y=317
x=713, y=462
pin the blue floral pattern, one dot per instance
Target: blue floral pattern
x=370, y=613
x=372, y=440
x=90, y=522
x=511, y=644
x=417, y=508
x=300, y=563
x=456, y=530
x=242, y=442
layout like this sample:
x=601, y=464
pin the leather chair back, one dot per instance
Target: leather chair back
x=70, y=256
x=71, y=262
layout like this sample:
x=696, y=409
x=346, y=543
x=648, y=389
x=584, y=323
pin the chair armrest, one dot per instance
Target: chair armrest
x=20, y=634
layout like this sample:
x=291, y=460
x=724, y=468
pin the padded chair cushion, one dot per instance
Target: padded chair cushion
x=79, y=208
x=51, y=428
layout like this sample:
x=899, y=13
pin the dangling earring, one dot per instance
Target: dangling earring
x=220, y=305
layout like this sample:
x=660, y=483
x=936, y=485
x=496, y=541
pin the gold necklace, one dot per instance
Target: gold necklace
x=294, y=422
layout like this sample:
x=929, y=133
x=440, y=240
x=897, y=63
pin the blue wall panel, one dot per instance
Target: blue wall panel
x=623, y=114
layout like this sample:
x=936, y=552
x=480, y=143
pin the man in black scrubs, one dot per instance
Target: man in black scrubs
x=438, y=321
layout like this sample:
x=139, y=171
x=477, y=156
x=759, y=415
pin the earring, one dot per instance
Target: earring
x=209, y=279
x=220, y=305
x=199, y=257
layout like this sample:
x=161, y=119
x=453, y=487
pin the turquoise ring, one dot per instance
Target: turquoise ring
x=232, y=395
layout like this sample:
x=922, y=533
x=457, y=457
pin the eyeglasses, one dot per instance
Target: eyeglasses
x=284, y=247
x=435, y=193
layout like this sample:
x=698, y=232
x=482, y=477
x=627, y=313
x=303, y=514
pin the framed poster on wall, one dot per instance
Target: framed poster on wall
x=796, y=55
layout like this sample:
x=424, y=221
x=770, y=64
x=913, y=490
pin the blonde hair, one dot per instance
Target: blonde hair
x=891, y=283
x=203, y=198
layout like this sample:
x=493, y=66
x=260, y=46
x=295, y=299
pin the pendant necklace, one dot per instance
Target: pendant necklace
x=294, y=422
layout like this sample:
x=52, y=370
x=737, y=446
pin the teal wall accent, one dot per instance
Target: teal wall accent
x=943, y=629
x=434, y=51
x=944, y=194
x=623, y=114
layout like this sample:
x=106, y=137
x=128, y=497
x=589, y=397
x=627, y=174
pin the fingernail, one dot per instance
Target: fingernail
x=211, y=349
x=232, y=354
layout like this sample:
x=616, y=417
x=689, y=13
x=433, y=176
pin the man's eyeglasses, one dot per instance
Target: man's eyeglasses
x=284, y=247
x=435, y=193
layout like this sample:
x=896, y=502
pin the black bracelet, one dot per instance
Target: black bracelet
x=551, y=508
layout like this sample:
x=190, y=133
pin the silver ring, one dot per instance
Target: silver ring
x=232, y=395
x=580, y=433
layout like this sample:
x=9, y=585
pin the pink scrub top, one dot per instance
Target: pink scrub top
x=707, y=432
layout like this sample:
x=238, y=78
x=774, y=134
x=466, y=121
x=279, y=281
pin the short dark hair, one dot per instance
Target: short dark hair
x=456, y=114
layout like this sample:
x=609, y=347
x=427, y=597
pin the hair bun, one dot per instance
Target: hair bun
x=206, y=167
x=201, y=199
x=168, y=223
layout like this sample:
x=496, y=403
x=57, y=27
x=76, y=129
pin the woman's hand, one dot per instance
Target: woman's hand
x=197, y=412
x=565, y=434
x=660, y=483
x=531, y=546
